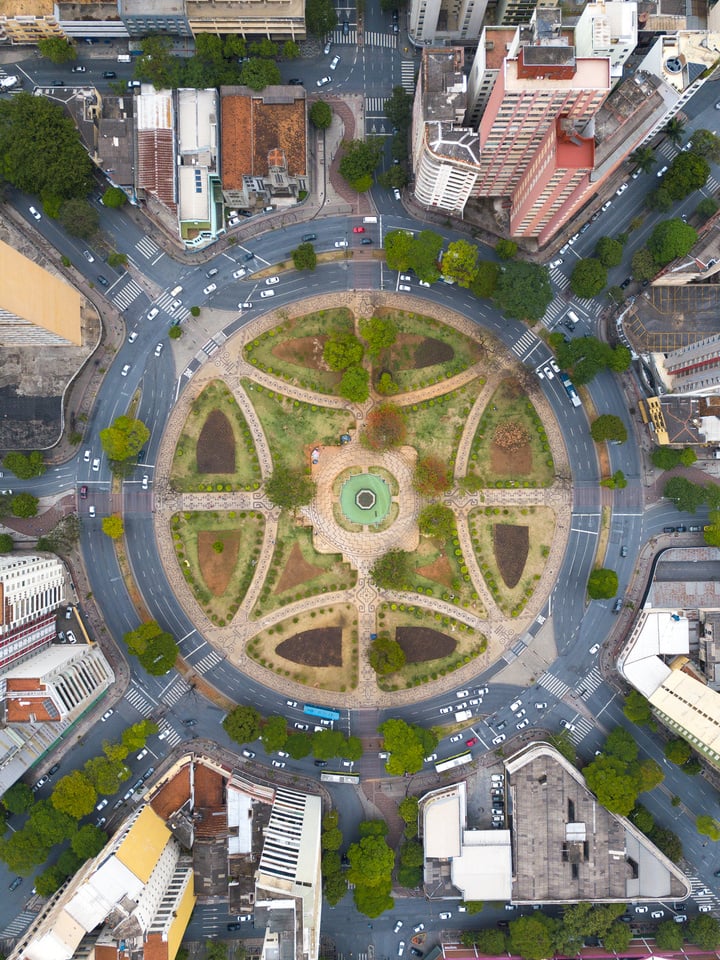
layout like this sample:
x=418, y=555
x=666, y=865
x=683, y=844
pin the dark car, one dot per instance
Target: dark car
x=234, y=926
x=309, y=237
x=617, y=606
x=16, y=883
x=321, y=763
x=623, y=551
x=366, y=240
x=102, y=280
x=190, y=723
x=83, y=492
x=53, y=769
x=345, y=28
x=295, y=82
x=249, y=256
x=668, y=529
x=415, y=952
x=626, y=283
x=681, y=529
x=109, y=75
x=58, y=83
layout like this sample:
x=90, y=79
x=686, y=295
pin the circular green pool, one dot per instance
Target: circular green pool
x=365, y=499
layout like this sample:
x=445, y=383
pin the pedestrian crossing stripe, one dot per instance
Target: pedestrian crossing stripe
x=374, y=39
x=582, y=728
x=407, y=76
x=349, y=39
x=209, y=661
x=147, y=247
x=554, y=685
x=375, y=105
x=18, y=925
x=137, y=700
x=122, y=297
x=591, y=682
x=165, y=303
x=527, y=342
x=176, y=691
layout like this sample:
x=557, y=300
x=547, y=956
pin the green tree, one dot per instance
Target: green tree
x=74, y=795
x=711, y=530
x=175, y=332
x=408, y=745
x=355, y=384
x=258, y=73
x=298, y=745
x=411, y=854
x=668, y=457
x=327, y=744
x=79, y=219
x=88, y=842
x=617, y=938
x=321, y=115
x=675, y=130
x=398, y=249
x=290, y=50
x=621, y=744
x=24, y=505
x=459, y=262
x=289, y=488
x=25, y=466
x=385, y=427
x=408, y=809
x=386, y=386
x=617, y=481
x=688, y=172
x=49, y=881
x=7, y=543
x=391, y=570
x=379, y=333
x=506, y=249
x=436, y=520
x=532, y=936
x=486, y=278
x=667, y=842
x=386, y=655
x=320, y=17
x=704, y=932
x=155, y=649
x=687, y=496
x=373, y=828
x=637, y=708
x=242, y=724
x=609, y=252
x=671, y=239
x=331, y=839
x=588, y=278
x=373, y=900
x=706, y=208
x=371, y=862
x=398, y=108
x=643, y=265
x=425, y=249
x=18, y=798
x=609, y=780
x=116, y=259
x=678, y=751
x=642, y=818
x=648, y=774
x=643, y=158
x=431, y=476
x=124, y=438
x=523, y=290
x=334, y=888
x=358, y=162
x=114, y=198
x=304, y=257
x=57, y=49
x=602, y=584
x=608, y=427
x=274, y=733
x=342, y=350
x=669, y=936
x=216, y=950
x=708, y=826
x=488, y=941
x=106, y=775
x=22, y=851
x=113, y=526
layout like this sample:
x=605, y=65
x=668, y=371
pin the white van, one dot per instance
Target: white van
x=124, y=58
x=175, y=291
x=370, y=219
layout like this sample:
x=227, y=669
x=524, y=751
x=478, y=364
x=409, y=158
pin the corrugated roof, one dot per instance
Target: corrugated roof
x=156, y=165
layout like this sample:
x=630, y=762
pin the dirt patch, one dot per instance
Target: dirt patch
x=431, y=351
x=216, y=445
x=510, y=463
x=302, y=351
x=421, y=643
x=217, y=568
x=440, y=571
x=314, y=648
x=511, y=544
x=296, y=571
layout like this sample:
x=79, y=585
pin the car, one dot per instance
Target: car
x=270, y=281
x=556, y=263
x=79, y=69
x=334, y=62
x=327, y=47
x=91, y=512
x=103, y=281
x=145, y=481
x=366, y=240
x=245, y=306
x=291, y=703
x=520, y=714
x=401, y=948
x=456, y=738
x=109, y=75
x=573, y=238
x=346, y=27
x=570, y=727
x=617, y=606
x=445, y=916
x=497, y=778
x=125, y=370
x=705, y=907
x=696, y=528
x=418, y=928
x=541, y=706
x=606, y=206
x=540, y=374
x=668, y=529
x=58, y=83
x=623, y=551
x=636, y=173
x=681, y=529
x=680, y=918
x=164, y=735
x=471, y=742
x=555, y=367
x=415, y=952
x=688, y=146
x=397, y=926
x=88, y=256
x=101, y=821
x=641, y=909
x=621, y=189
x=133, y=84
x=102, y=805
x=657, y=914
x=278, y=763
x=446, y=709
x=460, y=694
x=16, y=883
x=396, y=193
x=83, y=492
x=499, y=739
x=341, y=243
x=523, y=723
x=516, y=705
x=626, y=283
x=594, y=648
x=267, y=293
x=404, y=278
x=148, y=773
x=406, y=288
x=86, y=454
x=295, y=82
x=509, y=906
x=36, y=214
x=322, y=81
x=234, y=926
x=501, y=725
x=249, y=256
x=41, y=782
x=475, y=701
x=53, y=769
x=431, y=759
x=237, y=274
x=482, y=690
x=662, y=171
x=176, y=304
x=301, y=726
x=564, y=249
x=96, y=464
x=143, y=753
x=107, y=714
x=233, y=221
x=210, y=288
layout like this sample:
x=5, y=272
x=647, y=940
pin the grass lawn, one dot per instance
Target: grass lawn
x=262, y=648
x=297, y=570
x=293, y=428
x=185, y=474
x=440, y=571
x=293, y=350
x=469, y=644
x=219, y=579
x=435, y=426
x=541, y=521
x=530, y=465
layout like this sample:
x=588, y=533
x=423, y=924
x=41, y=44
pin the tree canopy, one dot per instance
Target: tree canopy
x=391, y=570
x=523, y=290
x=155, y=649
x=113, y=526
x=436, y=520
x=274, y=733
x=637, y=708
x=407, y=744
x=358, y=162
x=78, y=218
x=355, y=384
x=74, y=795
x=385, y=427
x=242, y=724
x=608, y=427
x=459, y=262
x=258, y=73
x=57, y=49
x=342, y=350
x=385, y=655
x=24, y=505
x=688, y=172
x=124, y=438
x=585, y=357
x=686, y=495
x=671, y=239
x=25, y=466
x=289, y=488
x=588, y=278
x=609, y=252
x=320, y=17
x=378, y=332
x=304, y=256
x=611, y=783
x=602, y=584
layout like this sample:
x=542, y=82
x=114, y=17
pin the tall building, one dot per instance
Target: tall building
x=32, y=588
x=275, y=19
x=446, y=21
x=692, y=370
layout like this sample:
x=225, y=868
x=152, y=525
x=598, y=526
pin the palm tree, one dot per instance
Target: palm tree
x=643, y=158
x=675, y=129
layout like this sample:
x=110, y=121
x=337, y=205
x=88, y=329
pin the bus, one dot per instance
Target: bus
x=451, y=762
x=334, y=776
x=323, y=712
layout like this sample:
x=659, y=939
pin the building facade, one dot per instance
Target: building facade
x=446, y=21
x=32, y=587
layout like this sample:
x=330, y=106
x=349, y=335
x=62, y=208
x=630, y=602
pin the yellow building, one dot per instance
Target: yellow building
x=27, y=21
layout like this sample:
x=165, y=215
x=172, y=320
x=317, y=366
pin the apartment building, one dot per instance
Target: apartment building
x=275, y=19
x=164, y=16
x=446, y=21
x=32, y=587
x=693, y=369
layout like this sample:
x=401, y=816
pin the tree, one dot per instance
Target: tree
x=242, y=724
x=532, y=936
x=506, y=249
x=113, y=526
x=637, y=708
x=678, y=751
x=668, y=457
x=617, y=938
x=371, y=862
x=57, y=49
x=352, y=748
x=431, y=476
x=385, y=427
x=425, y=249
x=321, y=115
x=643, y=819
x=648, y=774
x=290, y=50
x=342, y=350
x=49, y=824
x=175, y=332
x=602, y=584
x=459, y=262
x=708, y=826
x=79, y=219
x=373, y=900
x=621, y=744
x=7, y=543
x=74, y=794
x=379, y=333
x=355, y=384
x=25, y=466
x=704, y=932
x=643, y=265
x=706, y=208
x=124, y=438
x=114, y=198
x=49, y=881
x=486, y=278
x=289, y=488
x=617, y=481
x=411, y=854
x=588, y=278
x=686, y=495
x=331, y=840
x=155, y=649
x=88, y=841
x=436, y=520
x=334, y=888
x=643, y=158
x=320, y=17
x=373, y=828
x=675, y=130
x=398, y=108
x=304, y=257
x=671, y=239
x=523, y=290
x=609, y=252
x=609, y=780
x=386, y=655
x=358, y=162
x=408, y=809
x=327, y=744
x=398, y=249
x=669, y=936
x=216, y=950
x=274, y=733
x=392, y=570
x=608, y=427
x=408, y=745
x=488, y=941
x=105, y=774
x=258, y=73
x=18, y=798
x=688, y=172
x=24, y=505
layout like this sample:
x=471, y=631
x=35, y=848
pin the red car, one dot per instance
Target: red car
x=471, y=742
x=358, y=229
x=83, y=492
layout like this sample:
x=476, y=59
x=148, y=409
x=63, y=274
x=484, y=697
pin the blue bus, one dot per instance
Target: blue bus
x=323, y=712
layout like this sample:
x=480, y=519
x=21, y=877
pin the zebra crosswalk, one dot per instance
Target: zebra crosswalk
x=582, y=728
x=590, y=684
x=407, y=76
x=350, y=38
x=702, y=895
x=210, y=347
x=525, y=345
x=712, y=185
x=176, y=691
x=165, y=303
x=140, y=702
x=375, y=106
x=554, y=685
x=209, y=661
x=373, y=39
x=172, y=737
x=18, y=925
x=123, y=296
x=149, y=249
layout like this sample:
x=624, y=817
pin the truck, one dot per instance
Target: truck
x=7, y=83
x=462, y=715
x=570, y=389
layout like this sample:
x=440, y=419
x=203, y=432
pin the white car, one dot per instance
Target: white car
x=555, y=367
x=445, y=916
x=396, y=194
x=431, y=759
x=516, y=706
x=245, y=306
x=424, y=283
x=125, y=370
x=267, y=293
x=145, y=481
x=334, y=62
x=406, y=279
x=657, y=914
x=404, y=287
x=705, y=907
x=548, y=373
x=662, y=171
x=499, y=739
x=153, y=313
x=541, y=706
x=91, y=511
x=567, y=725
x=210, y=288
x=176, y=304
x=556, y=263
x=574, y=237
x=107, y=715
x=237, y=274
x=641, y=909
x=143, y=753
x=35, y=213
x=88, y=256
x=564, y=249
x=164, y=735
x=401, y=948
x=594, y=648
x=278, y=763
x=523, y=723
x=158, y=349
x=96, y=464
x=445, y=709
x=102, y=805
x=680, y=918
x=291, y=703
x=475, y=701
x=341, y=243
x=86, y=456
x=272, y=280
x=497, y=778
x=418, y=928
x=621, y=189
x=461, y=694
x=398, y=925
x=520, y=714
x=456, y=738
x=133, y=337
x=322, y=81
